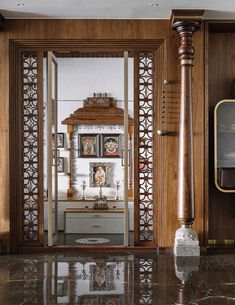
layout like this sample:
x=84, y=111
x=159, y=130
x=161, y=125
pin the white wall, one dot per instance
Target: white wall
x=79, y=78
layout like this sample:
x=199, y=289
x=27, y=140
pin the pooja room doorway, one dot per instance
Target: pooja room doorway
x=85, y=202
x=85, y=136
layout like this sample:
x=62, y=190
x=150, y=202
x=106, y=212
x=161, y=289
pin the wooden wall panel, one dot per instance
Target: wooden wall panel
x=221, y=77
x=169, y=167
x=169, y=143
x=87, y=29
x=4, y=143
x=126, y=29
x=199, y=131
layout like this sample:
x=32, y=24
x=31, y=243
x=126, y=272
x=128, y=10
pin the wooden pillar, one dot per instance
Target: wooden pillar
x=72, y=283
x=130, y=164
x=69, y=189
x=186, y=213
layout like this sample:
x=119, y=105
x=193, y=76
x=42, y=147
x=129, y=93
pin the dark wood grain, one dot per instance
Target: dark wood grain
x=186, y=205
x=95, y=35
x=4, y=147
x=221, y=76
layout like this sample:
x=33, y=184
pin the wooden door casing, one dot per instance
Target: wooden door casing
x=19, y=210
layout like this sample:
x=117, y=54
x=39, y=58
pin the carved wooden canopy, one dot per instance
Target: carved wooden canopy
x=96, y=110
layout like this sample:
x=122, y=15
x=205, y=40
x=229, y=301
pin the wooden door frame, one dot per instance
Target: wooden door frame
x=65, y=45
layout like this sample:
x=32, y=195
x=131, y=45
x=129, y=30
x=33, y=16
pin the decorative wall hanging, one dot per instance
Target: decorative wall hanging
x=111, y=145
x=100, y=174
x=88, y=145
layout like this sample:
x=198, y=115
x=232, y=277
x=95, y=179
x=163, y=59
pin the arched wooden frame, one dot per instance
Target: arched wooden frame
x=150, y=52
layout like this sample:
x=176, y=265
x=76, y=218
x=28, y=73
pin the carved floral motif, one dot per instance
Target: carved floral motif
x=30, y=147
x=145, y=146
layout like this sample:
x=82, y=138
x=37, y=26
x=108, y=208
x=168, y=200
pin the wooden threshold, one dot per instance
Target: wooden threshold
x=89, y=249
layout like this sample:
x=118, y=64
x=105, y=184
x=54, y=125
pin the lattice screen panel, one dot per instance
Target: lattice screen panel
x=144, y=279
x=31, y=165
x=33, y=284
x=144, y=144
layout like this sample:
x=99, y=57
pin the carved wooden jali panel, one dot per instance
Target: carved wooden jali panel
x=27, y=147
x=145, y=275
x=32, y=159
x=144, y=127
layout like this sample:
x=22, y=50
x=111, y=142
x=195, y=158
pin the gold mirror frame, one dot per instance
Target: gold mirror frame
x=216, y=146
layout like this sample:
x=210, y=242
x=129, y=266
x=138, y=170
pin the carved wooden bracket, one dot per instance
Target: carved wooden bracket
x=186, y=30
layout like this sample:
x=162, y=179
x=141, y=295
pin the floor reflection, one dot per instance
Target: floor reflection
x=117, y=280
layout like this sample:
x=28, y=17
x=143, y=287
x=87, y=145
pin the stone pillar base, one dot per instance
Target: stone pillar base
x=185, y=267
x=186, y=242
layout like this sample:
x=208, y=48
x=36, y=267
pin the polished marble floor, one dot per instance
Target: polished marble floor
x=90, y=239
x=149, y=279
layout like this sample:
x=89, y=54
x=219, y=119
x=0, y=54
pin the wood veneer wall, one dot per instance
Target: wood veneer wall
x=4, y=142
x=167, y=149
x=221, y=78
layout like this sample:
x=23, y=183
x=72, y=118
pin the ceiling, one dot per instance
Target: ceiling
x=113, y=9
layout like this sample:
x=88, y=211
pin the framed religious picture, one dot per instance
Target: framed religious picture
x=100, y=174
x=88, y=145
x=60, y=165
x=60, y=139
x=102, y=277
x=55, y=153
x=111, y=145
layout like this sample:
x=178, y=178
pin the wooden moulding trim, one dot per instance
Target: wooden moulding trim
x=2, y=19
x=95, y=121
x=111, y=45
x=206, y=135
x=183, y=15
x=92, y=249
x=160, y=208
x=14, y=140
x=136, y=151
x=74, y=54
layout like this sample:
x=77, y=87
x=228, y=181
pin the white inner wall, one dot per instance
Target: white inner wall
x=79, y=78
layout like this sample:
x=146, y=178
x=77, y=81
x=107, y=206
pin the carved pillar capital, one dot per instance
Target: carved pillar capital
x=186, y=30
